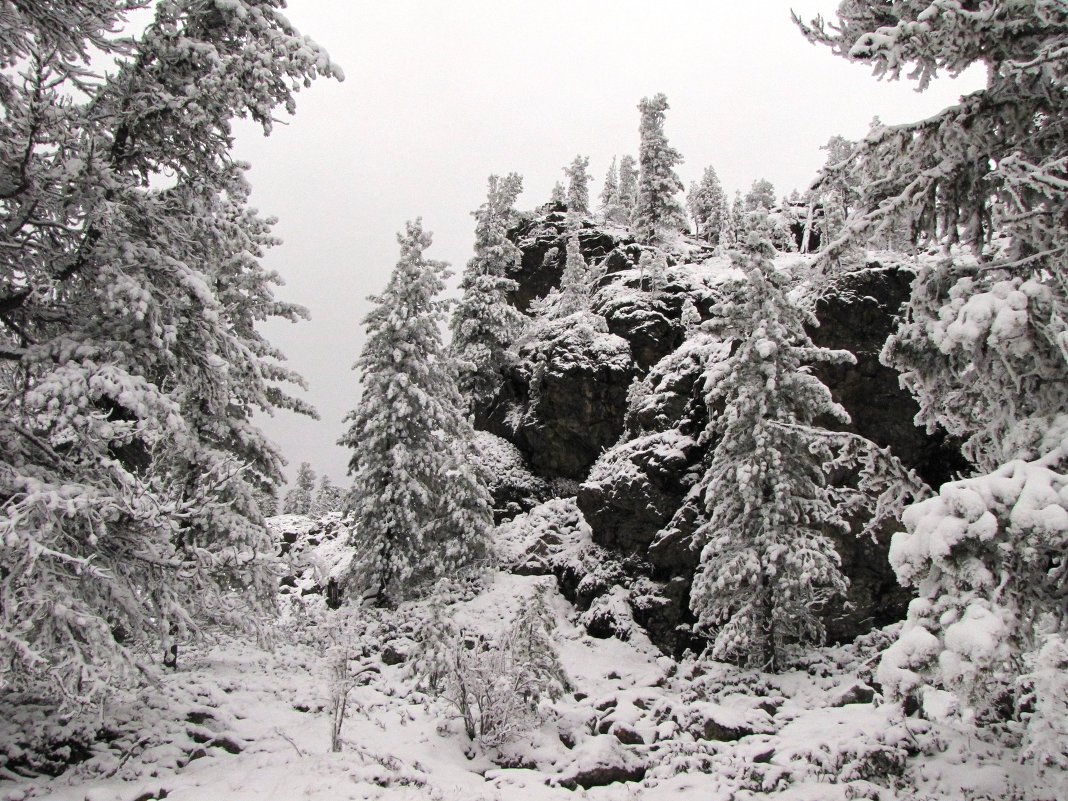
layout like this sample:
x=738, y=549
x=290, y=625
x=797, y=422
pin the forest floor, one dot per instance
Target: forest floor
x=242, y=721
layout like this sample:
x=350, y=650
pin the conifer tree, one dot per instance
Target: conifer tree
x=708, y=207
x=767, y=564
x=578, y=186
x=737, y=226
x=301, y=499
x=657, y=211
x=982, y=343
x=578, y=283
x=559, y=195
x=328, y=498
x=761, y=195
x=610, y=190
x=612, y=206
x=420, y=506
x=485, y=325
x=628, y=186
x=130, y=291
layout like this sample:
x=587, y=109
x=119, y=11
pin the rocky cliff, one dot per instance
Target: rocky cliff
x=613, y=418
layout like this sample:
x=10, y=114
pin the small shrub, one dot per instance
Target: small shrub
x=495, y=683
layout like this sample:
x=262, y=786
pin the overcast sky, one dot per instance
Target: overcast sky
x=438, y=96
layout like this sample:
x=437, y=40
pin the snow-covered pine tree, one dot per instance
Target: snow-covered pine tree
x=130, y=288
x=301, y=499
x=628, y=186
x=735, y=233
x=657, y=211
x=767, y=562
x=578, y=186
x=578, y=283
x=328, y=498
x=484, y=324
x=559, y=195
x=708, y=206
x=420, y=505
x=982, y=341
x=610, y=189
x=611, y=201
x=761, y=195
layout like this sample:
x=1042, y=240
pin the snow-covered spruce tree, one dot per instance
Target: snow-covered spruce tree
x=610, y=189
x=657, y=210
x=708, y=206
x=420, y=505
x=484, y=324
x=130, y=288
x=559, y=195
x=734, y=233
x=628, y=186
x=767, y=562
x=761, y=195
x=578, y=283
x=611, y=202
x=328, y=498
x=982, y=345
x=578, y=185
x=301, y=499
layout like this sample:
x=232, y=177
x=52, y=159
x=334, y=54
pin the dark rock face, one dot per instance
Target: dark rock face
x=564, y=405
x=543, y=241
x=649, y=321
x=859, y=318
x=635, y=488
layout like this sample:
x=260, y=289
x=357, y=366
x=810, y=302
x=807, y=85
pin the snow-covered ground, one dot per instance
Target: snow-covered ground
x=240, y=720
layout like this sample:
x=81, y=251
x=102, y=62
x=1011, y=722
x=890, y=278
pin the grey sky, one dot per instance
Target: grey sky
x=438, y=96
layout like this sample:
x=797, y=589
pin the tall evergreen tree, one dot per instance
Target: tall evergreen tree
x=420, y=505
x=628, y=186
x=328, y=498
x=982, y=341
x=578, y=186
x=301, y=499
x=485, y=325
x=767, y=564
x=130, y=288
x=578, y=283
x=559, y=195
x=657, y=211
x=612, y=206
x=610, y=190
x=708, y=207
x=761, y=195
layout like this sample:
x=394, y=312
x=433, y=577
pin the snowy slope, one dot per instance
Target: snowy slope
x=242, y=721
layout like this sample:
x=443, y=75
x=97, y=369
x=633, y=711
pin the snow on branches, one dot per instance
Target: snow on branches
x=420, y=503
x=130, y=288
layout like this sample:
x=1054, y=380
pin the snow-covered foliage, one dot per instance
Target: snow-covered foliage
x=761, y=195
x=130, y=290
x=419, y=502
x=708, y=206
x=987, y=556
x=484, y=324
x=328, y=498
x=578, y=186
x=657, y=211
x=628, y=186
x=983, y=342
x=612, y=207
x=767, y=564
x=574, y=296
x=301, y=499
x=511, y=483
x=496, y=682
